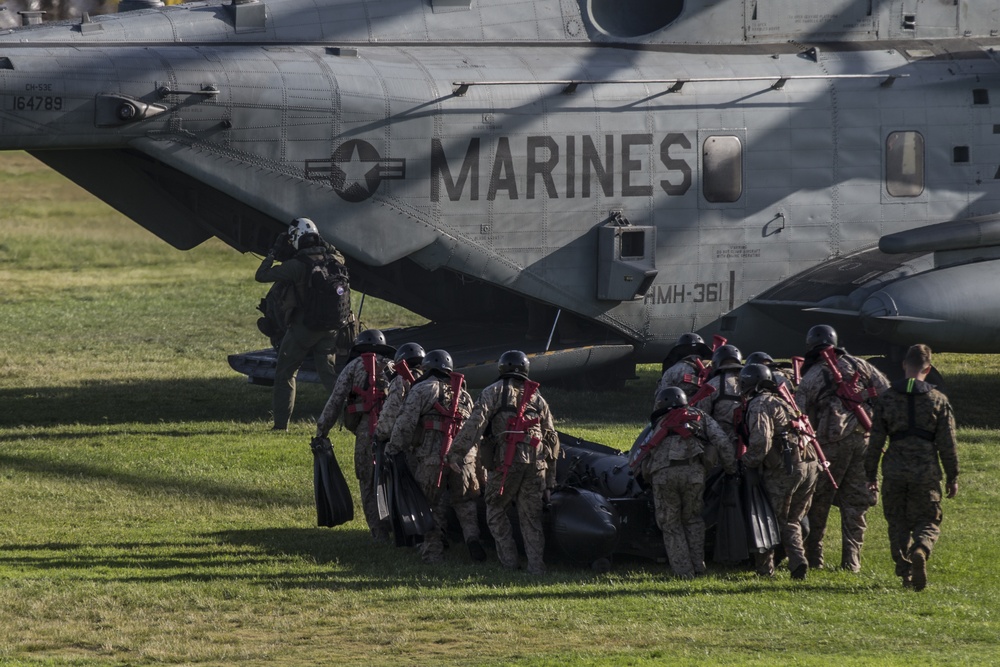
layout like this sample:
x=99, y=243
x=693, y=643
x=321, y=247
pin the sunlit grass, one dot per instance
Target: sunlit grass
x=150, y=516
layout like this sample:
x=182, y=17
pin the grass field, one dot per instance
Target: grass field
x=149, y=515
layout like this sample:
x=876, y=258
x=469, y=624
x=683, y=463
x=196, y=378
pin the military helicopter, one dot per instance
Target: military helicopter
x=581, y=179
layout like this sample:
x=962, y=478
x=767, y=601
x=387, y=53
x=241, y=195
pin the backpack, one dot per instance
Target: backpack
x=327, y=302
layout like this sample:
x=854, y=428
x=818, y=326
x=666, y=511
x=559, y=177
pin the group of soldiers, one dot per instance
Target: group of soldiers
x=503, y=445
x=815, y=439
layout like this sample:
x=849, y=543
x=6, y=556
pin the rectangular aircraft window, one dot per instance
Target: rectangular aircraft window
x=633, y=244
x=904, y=164
x=722, y=169
x=980, y=96
x=961, y=153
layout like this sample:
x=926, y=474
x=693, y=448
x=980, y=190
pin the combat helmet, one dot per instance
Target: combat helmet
x=821, y=334
x=513, y=363
x=372, y=340
x=687, y=344
x=726, y=354
x=760, y=358
x=412, y=353
x=756, y=377
x=669, y=398
x=439, y=363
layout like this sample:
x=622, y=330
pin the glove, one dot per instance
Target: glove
x=546, y=497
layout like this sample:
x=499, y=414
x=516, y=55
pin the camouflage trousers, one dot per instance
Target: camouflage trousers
x=523, y=487
x=364, y=470
x=846, y=459
x=297, y=343
x=913, y=512
x=450, y=493
x=677, y=495
x=791, y=497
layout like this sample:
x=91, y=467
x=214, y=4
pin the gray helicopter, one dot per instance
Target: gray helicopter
x=584, y=179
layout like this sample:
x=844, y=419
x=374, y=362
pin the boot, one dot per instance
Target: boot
x=918, y=569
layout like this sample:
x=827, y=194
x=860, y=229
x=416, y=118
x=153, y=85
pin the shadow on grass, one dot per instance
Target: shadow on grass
x=154, y=401
x=156, y=481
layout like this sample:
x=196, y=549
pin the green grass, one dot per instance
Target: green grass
x=150, y=517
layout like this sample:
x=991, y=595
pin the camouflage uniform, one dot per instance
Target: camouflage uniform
x=768, y=423
x=345, y=395
x=532, y=472
x=298, y=340
x=726, y=405
x=418, y=431
x=675, y=470
x=844, y=443
x=911, y=475
x=399, y=387
x=683, y=374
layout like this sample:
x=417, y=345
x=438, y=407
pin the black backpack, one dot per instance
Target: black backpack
x=327, y=303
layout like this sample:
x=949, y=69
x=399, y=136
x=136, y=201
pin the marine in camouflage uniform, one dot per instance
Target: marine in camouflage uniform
x=419, y=431
x=920, y=426
x=788, y=466
x=681, y=365
x=726, y=405
x=298, y=340
x=674, y=468
x=399, y=387
x=348, y=399
x=844, y=442
x=532, y=473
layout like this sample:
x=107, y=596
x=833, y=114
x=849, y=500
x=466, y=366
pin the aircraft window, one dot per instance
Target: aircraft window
x=904, y=164
x=980, y=96
x=961, y=153
x=632, y=18
x=722, y=167
x=633, y=244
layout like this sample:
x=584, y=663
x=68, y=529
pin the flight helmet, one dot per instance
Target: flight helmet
x=301, y=228
x=438, y=362
x=755, y=377
x=821, y=334
x=413, y=353
x=513, y=363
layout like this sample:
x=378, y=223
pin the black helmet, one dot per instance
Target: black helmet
x=687, y=344
x=760, y=358
x=670, y=397
x=755, y=377
x=412, y=353
x=372, y=340
x=438, y=362
x=513, y=362
x=821, y=334
x=690, y=339
x=725, y=353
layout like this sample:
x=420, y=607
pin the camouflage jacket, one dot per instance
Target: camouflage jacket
x=817, y=395
x=487, y=426
x=919, y=423
x=420, y=426
x=768, y=421
x=706, y=435
x=399, y=387
x=680, y=375
x=724, y=403
x=344, y=394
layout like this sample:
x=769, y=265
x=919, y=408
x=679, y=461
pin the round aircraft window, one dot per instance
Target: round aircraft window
x=633, y=18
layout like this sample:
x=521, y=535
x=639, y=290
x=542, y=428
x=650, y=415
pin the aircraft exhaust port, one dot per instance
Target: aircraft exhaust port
x=632, y=18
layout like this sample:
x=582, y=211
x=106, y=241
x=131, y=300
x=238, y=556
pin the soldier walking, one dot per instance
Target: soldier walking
x=359, y=393
x=518, y=445
x=839, y=411
x=671, y=461
x=787, y=461
x=920, y=426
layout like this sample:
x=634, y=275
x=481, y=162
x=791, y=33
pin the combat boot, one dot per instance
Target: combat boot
x=799, y=573
x=476, y=551
x=918, y=569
